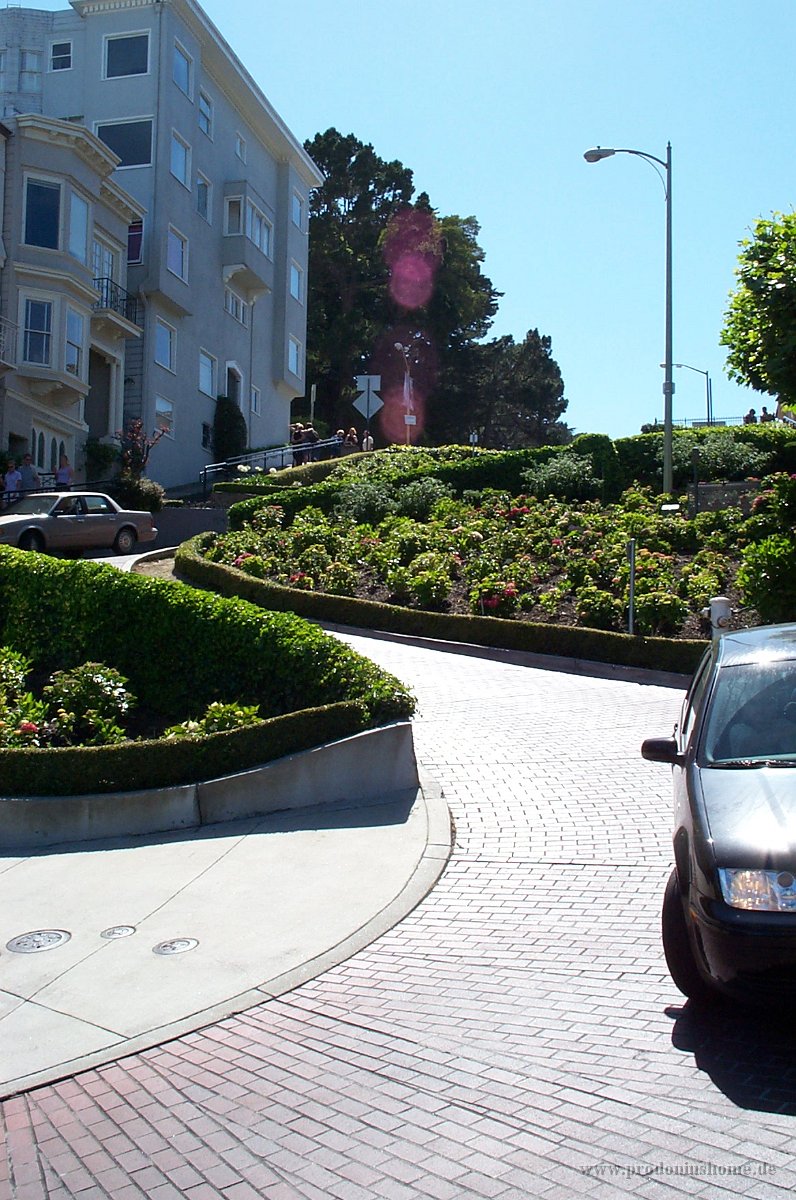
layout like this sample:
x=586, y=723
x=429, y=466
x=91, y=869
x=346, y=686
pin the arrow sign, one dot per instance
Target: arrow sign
x=367, y=402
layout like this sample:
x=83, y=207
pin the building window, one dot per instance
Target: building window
x=126, y=55
x=42, y=213
x=37, y=342
x=73, y=353
x=135, y=242
x=294, y=357
x=29, y=71
x=181, y=69
x=207, y=435
x=61, y=56
x=206, y=114
x=236, y=307
x=131, y=140
x=258, y=228
x=180, y=159
x=78, y=227
x=240, y=147
x=165, y=343
x=233, y=215
x=297, y=211
x=204, y=197
x=104, y=262
x=177, y=254
x=164, y=415
x=207, y=373
x=296, y=282
x=255, y=401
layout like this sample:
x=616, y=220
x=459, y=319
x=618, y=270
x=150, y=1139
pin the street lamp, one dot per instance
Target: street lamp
x=708, y=388
x=408, y=389
x=596, y=155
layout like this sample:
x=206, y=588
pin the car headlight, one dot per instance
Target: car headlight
x=762, y=891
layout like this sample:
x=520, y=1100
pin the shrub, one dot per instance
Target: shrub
x=598, y=609
x=417, y=499
x=365, y=502
x=88, y=703
x=139, y=494
x=229, y=430
x=219, y=718
x=659, y=613
x=767, y=577
x=568, y=476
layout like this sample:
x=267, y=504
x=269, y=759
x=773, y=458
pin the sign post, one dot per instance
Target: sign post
x=368, y=402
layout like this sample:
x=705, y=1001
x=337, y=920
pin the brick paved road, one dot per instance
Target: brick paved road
x=516, y=1036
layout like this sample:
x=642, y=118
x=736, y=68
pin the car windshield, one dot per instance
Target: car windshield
x=33, y=505
x=752, y=713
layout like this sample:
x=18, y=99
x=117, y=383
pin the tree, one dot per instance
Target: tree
x=519, y=394
x=348, y=276
x=760, y=324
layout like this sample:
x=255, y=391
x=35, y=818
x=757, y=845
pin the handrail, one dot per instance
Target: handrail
x=275, y=458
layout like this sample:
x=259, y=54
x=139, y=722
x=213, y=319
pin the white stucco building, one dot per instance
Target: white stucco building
x=155, y=234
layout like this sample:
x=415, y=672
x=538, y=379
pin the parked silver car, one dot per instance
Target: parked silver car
x=73, y=521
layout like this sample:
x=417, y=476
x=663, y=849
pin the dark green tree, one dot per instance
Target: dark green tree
x=518, y=394
x=760, y=323
x=348, y=299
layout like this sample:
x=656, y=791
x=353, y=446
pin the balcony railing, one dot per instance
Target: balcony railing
x=8, y=342
x=115, y=298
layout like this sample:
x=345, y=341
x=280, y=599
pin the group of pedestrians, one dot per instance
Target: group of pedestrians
x=304, y=439
x=25, y=478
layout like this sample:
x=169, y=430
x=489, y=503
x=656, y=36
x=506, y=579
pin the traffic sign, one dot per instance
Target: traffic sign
x=367, y=402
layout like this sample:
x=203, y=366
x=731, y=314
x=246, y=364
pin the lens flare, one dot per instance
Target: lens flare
x=413, y=252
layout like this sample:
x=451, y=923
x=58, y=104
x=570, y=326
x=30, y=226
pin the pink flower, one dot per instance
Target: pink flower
x=28, y=727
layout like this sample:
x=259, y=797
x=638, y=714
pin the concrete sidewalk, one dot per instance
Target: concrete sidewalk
x=144, y=939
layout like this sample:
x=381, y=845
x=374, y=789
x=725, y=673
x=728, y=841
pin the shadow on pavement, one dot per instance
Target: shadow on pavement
x=749, y=1054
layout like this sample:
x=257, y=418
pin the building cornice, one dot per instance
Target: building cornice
x=56, y=281
x=75, y=137
x=125, y=206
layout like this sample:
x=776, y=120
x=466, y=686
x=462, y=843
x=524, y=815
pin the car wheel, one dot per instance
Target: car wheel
x=31, y=541
x=125, y=541
x=677, y=946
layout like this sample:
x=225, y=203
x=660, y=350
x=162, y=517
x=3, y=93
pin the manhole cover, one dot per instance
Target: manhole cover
x=39, y=939
x=175, y=946
x=118, y=931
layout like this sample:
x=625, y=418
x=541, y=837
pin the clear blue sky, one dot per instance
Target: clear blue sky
x=492, y=106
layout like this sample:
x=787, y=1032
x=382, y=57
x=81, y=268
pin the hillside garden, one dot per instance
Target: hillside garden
x=413, y=528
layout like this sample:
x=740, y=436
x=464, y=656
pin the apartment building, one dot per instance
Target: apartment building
x=190, y=278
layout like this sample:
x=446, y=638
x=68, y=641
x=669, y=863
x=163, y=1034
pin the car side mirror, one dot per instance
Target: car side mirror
x=663, y=750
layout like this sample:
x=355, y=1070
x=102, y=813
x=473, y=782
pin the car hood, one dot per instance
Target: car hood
x=751, y=815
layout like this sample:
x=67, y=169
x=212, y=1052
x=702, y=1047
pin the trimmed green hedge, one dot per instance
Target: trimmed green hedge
x=662, y=654
x=136, y=766
x=180, y=649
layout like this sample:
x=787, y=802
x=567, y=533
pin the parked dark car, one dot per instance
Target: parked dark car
x=729, y=911
x=68, y=521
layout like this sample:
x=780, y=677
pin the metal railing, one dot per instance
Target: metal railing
x=275, y=458
x=115, y=298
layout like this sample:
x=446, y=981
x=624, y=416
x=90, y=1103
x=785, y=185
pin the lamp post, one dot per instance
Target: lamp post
x=596, y=155
x=408, y=389
x=708, y=388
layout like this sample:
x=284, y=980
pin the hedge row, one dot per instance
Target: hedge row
x=179, y=648
x=620, y=464
x=593, y=645
x=136, y=766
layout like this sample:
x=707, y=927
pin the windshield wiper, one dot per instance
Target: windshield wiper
x=740, y=764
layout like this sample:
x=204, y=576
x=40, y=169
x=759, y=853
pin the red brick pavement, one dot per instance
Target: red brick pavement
x=516, y=1036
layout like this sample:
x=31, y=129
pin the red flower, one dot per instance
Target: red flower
x=28, y=727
